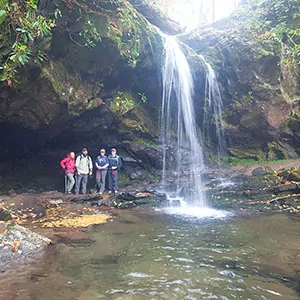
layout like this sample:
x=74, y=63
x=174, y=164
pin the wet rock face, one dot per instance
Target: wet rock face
x=86, y=96
x=260, y=93
x=18, y=243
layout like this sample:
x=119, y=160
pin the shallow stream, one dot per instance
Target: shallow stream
x=154, y=255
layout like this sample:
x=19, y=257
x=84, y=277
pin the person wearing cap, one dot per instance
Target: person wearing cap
x=101, y=164
x=84, y=168
x=115, y=164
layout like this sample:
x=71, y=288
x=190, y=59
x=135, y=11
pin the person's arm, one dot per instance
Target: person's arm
x=96, y=164
x=106, y=165
x=77, y=164
x=90, y=165
x=63, y=163
x=119, y=162
x=113, y=162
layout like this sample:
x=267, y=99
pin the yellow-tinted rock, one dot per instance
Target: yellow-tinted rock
x=82, y=221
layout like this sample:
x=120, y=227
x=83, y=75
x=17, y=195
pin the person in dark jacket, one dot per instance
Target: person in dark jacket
x=68, y=165
x=101, y=164
x=115, y=164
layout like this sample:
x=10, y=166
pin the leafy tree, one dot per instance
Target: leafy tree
x=22, y=29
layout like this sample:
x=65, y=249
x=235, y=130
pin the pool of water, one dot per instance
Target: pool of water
x=158, y=255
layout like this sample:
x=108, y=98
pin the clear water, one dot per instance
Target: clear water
x=179, y=137
x=151, y=255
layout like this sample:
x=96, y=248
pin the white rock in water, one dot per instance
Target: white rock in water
x=18, y=243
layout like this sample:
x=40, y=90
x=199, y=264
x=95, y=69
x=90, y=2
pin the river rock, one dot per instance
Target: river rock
x=144, y=198
x=12, y=193
x=287, y=187
x=290, y=174
x=4, y=214
x=260, y=171
x=18, y=243
x=85, y=198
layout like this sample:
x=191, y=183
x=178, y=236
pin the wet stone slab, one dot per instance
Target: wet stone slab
x=18, y=243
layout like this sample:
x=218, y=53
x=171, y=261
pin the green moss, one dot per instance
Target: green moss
x=248, y=154
x=149, y=143
x=134, y=119
x=71, y=89
x=234, y=161
x=123, y=179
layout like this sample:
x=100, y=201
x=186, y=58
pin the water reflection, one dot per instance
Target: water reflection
x=146, y=255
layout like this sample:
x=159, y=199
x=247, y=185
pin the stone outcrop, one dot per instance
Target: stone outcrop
x=107, y=93
x=97, y=96
x=18, y=243
x=259, y=83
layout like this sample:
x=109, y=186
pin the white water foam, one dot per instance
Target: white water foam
x=196, y=212
x=187, y=210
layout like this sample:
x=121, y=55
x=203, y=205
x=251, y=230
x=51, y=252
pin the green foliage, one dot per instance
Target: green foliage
x=122, y=103
x=273, y=23
x=143, y=97
x=235, y=161
x=90, y=34
x=131, y=41
x=21, y=28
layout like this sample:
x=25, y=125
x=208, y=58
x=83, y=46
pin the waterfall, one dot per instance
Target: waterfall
x=213, y=109
x=179, y=137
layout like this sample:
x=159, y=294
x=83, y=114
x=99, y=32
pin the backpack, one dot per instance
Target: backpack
x=89, y=160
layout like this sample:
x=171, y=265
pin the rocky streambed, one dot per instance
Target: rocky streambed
x=257, y=188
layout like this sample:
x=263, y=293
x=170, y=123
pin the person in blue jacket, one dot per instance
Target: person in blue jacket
x=101, y=164
x=115, y=164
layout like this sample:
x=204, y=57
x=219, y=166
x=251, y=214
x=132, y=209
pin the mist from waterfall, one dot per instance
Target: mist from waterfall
x=179, y=137
x=213, y=109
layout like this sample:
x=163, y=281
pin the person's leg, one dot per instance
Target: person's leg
x=66, y=183
x=84, y=183
x=110, y=181
x=70, y=182
x=103, y=178
x=78, y=181
x=98, y=181
x=115, y=181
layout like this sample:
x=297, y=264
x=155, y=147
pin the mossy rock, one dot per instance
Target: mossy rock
x=290, y=175
x=244, y=153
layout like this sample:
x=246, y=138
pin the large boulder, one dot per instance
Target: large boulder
x=18, y=243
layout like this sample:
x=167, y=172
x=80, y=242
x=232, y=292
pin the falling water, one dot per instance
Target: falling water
x=213, y=109
x=178, y=126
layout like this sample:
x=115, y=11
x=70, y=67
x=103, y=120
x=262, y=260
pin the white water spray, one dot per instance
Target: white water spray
x=178, y=126
x=213, y=109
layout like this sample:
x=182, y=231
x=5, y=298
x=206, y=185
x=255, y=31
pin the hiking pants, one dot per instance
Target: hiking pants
x=113, y=180
x=69, y=182
x=100, y=180
x=84, y=179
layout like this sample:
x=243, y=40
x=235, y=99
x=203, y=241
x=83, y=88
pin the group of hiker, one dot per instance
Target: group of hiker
x=78, y=169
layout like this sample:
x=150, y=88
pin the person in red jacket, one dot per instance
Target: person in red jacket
x=68, y=165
